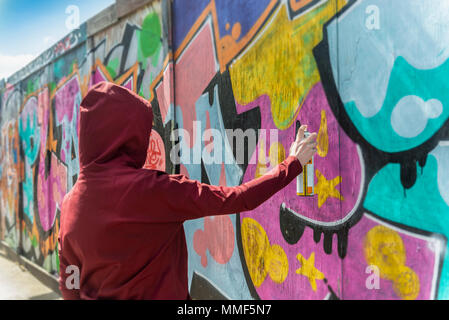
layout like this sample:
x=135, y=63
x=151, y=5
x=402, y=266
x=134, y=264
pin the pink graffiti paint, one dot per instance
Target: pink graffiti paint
x=421, y=258
x=163, y=92
x=155, y=153
x=195, y=68
x=331, y=166
x=66, y=102
x=222, y=180
x=9, y=88
x=51, y=186
x=217, y=237
x=183, y=170
x=129, y=84
x=51, y=191
x=65, y=99
x=334, y=269
x=97, y=77
x=297, y=286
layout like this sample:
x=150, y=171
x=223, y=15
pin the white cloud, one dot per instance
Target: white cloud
x=10, y=64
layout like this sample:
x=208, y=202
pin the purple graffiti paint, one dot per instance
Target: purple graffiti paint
x=297, y=286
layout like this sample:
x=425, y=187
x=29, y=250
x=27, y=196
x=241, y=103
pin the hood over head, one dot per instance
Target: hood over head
x=114, y=123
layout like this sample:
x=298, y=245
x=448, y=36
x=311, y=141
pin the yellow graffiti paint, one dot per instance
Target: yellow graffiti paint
x=282, y=56
x=327, y=188
x=384, y=248
x=255, y=244
x=406, y=285
x=309, y=270
x=276, y=155
x=261, y=257
x=276, y=263
x=261, y=167
x=323, y=137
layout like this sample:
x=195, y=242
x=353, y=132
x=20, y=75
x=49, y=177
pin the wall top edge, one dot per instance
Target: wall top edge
x=73, y=39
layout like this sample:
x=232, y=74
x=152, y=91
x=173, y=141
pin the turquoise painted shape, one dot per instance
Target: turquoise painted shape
x=405, y=80
x=30, y=138
x=421, y=207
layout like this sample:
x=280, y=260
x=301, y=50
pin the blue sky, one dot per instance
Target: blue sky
x=29, y=27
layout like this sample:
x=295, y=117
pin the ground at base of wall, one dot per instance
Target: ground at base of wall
x=17, y=283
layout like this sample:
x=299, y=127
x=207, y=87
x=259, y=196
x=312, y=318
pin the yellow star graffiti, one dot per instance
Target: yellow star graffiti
x=309, y=270
x=326, y=188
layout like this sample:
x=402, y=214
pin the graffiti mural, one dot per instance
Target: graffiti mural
x=10, y=167
x=367, y=76
x=318, y=247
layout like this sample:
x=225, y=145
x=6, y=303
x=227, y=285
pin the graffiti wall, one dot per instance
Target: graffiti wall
x=367, y=76
x=40, y=123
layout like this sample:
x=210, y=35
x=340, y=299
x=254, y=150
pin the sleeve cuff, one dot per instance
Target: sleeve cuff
x=293, y=163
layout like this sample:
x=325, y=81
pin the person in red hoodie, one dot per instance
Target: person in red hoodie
x=121, y=232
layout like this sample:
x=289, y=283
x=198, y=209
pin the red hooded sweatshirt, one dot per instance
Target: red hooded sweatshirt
x=122, y=225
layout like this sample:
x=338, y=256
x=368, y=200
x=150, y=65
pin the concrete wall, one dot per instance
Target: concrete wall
x=368, y=76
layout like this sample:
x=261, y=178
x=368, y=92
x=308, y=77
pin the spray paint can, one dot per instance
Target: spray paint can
x=305, y=182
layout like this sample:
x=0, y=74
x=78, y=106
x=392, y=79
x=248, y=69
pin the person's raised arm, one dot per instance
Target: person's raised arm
x=191, y=199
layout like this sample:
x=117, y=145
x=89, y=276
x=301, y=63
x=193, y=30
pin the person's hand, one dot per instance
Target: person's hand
x=304, y=149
